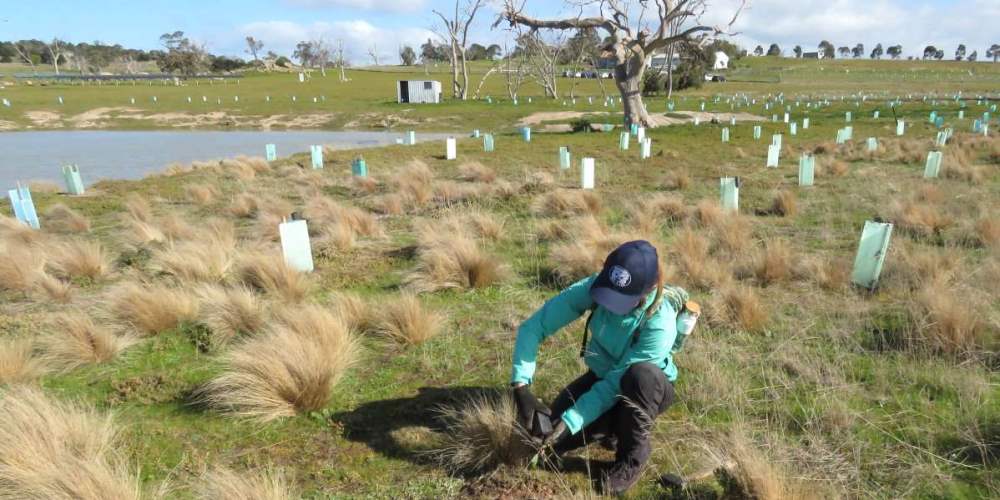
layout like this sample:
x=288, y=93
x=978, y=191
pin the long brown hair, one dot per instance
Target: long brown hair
x=660, y=279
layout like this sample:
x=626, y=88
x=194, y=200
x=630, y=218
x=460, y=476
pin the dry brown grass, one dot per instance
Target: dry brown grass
x=406, y=321
x=953, y=169
x=482, y=435
x=363, y=185
x=153, y=309
x=708, y=213
x=53, y=288
x=831, y=273
x=448, y=257
x=20, y=266
x=920, y=219
x=737, y=307
x=238, y=169
x=784, y=204
x=44, y=187
x=61, y=219
x=949, y=320
x=987, y=231
x=76, y=340
x=651, y=212
x=230, y=313
x=333, y=239
x=202, y=195
x=140, y=234
x=272, y=275
x=12, y=231
x=565, y=229
x=677, y=180
x=390, y=204
x=566, y=203
x=476, y=172
x=325, y=211
x=291, y=369
x=775, y=263
x=356, y=313
x=138, y=208
x=207, y=259
x=697, y=268
x=78, y=259
x=833, y=167
x=221, y=483
x=244, y=205
x=60, y=450
x=18, y=363
x=750, y=474
x=415, y=184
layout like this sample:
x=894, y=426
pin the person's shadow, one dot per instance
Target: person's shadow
x=375, y=423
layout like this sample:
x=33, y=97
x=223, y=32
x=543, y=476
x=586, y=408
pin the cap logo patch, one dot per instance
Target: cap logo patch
x=620, y=277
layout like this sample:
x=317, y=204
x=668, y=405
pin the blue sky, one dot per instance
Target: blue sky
x=223, y=24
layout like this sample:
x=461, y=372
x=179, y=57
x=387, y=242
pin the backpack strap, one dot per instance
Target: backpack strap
x=586, y=330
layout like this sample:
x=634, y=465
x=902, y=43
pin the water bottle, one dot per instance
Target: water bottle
x=686, y=321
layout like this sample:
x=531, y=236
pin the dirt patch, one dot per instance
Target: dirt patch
x=295, y=121
x=44, y=119
x=553, y=116
x=683, y=117
x=6, y=125
x=148, y=389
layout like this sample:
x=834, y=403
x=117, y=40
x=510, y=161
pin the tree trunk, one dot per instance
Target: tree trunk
x=628, y=79
x=465, y=75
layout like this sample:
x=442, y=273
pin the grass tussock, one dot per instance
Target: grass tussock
x=137, y=207
x=920, y=219
x=221, y=483
x=405, y=320
x=653, y=211
x=834, y=167
x=207, y=259
x=12, y=231
x=18, y=363
x=708, y=213
x=676, y=180
x=482, y=435
x=244, y=206
x=76, y=259
x=415, y=184
x=291, y=369
x=270, y=274
x=153, y=309
x=53, y=288
x=476, y=172
x=737, y=307
x=61, y=219
x=76, y=340
x=987, y=232
x=750, y=474
x=142, y=234
x=775, y=263
x=354, y=311
x=53, y=449
x=202, y=195
x=949, y=321
x=230, y=313
x=448, y=258
x=566, y=229
x=363, y=185
x=20, y=266
x=567, y=203
x=784, y=204
x=324, y=211
x=44, y=187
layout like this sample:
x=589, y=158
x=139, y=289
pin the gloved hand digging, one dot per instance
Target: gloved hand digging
x=532, y=414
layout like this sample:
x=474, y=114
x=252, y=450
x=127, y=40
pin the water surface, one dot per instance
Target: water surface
x=104, y=154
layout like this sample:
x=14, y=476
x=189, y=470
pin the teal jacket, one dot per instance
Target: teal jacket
x=610, y=351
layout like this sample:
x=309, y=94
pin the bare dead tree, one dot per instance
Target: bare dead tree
x=543, y=61
x=456, y=35
x=340, y=61
x=514, y=71
x=638, y=29
x=321, y=52
x=55, y=52
x=254, y=46
x=373, y=53
x=25, y=54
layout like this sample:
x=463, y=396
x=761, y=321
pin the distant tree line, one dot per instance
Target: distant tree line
x=179, y=55
x=894, y=51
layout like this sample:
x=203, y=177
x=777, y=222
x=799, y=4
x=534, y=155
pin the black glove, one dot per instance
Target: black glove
x=559, y=430
x=531, y=413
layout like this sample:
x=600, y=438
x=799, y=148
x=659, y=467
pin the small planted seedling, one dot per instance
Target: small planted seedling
x=271, y=152
x=74, y=184
x=587, y=173
x=729, y=193
x=316, y=155
x=807, y=169
x=295, y=245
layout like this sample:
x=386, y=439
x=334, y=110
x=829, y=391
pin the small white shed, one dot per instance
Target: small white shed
x=418, y=91
x=721, y=60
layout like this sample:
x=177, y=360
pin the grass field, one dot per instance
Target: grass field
x=807, y=387
x=367, y=101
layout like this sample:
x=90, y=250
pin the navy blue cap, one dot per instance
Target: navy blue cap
x=630, y=273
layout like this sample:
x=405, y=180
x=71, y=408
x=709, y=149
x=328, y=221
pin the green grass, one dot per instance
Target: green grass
x=828, y=403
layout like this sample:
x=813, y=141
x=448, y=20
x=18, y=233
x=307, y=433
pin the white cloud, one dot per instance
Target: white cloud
x=358, y=36
x=913, y=25
x=376, y=5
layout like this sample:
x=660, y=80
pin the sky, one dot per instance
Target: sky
x=222, y=25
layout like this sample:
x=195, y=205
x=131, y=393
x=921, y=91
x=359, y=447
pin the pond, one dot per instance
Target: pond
x=28, y=156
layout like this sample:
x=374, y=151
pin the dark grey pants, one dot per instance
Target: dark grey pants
x=645, y=393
